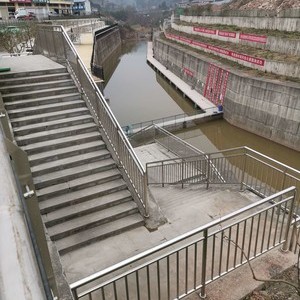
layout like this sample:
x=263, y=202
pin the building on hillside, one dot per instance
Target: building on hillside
x=81, y=7
x=41, y=8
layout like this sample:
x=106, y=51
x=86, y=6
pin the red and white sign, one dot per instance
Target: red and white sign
x=219, y=50
x=253, y=38
x=20, y=1
x=205, y=30
x=240, y=56
x=250, y=59
x=188, y=72
x=229, y=34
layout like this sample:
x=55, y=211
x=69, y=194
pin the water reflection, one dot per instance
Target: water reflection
x=220, y=135
x=134, y=93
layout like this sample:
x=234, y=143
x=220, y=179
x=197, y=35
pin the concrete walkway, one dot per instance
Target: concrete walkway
x=197, y=98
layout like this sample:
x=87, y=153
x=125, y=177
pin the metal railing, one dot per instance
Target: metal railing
x=189, y=262
x=244, y=166
x=53, y=42
x=21, y=169
x=182, y=150
x=179, y=118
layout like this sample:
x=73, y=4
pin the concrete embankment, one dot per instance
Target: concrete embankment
x=266, y=107
x=106, y=41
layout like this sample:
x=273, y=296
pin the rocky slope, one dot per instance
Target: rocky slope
x=264, y=4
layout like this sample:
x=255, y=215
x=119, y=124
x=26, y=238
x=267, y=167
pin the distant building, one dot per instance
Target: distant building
x=81, y=7
x=40, y=7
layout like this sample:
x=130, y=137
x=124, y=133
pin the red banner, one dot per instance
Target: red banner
x=205, y=30
x=250, y=59
x=20, y=1
x=184, y=39
x=188, y=72
x=229, y=34
x=199, y=44
x=244, y=57
x=219, y=50
x=253, y=38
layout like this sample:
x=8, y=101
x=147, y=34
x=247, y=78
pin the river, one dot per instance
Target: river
x=136, y=93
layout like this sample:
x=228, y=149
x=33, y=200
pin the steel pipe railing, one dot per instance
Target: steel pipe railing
x=53, y=42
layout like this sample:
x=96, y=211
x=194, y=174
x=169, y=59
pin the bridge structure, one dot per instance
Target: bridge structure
x=95, y=206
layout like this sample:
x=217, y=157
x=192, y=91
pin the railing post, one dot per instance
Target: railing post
x=284, y=178
x=182, y=172
x=288, y=224
x=162, y=174
x=243, y=170
x=204, y=258
x=145, y=195
x=208, y=171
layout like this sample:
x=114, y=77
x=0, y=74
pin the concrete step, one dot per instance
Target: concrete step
x=66, y=175
x=55, y=133
x=49, y=116
x=69, y=162
x=36, y=86
x=50, y=125
x=39, y=93
x=62, y=142
x=60, y=153
x=41, y=101
x=77, y=184
x=98, y=233
x=32, y=73
x=72, y=198
x=91, y=220
x=32, y=79
x=45, y=108
x=67, y=213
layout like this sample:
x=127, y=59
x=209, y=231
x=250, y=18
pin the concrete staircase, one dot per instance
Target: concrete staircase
x=81, y=193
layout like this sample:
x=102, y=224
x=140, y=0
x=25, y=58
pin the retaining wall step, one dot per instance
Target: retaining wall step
x=67, y=213
x=32, y=79
x=72, y=198
x=55, y=133
x=49, y=116
x=77, y=184
x=62, y=142
x=98, y=233
x=42, y=100
x=44, y=108
x=32, y=73
x=50, y=125
x=65, y=175
x=36, y=86
x=60, y=153
x=39, y=93
x=91, y=220
x=69, y=162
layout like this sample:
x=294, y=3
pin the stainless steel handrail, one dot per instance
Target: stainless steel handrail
x=282, y=197
x=116, y=138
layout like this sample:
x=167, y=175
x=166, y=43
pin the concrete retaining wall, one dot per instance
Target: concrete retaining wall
x=276, y=44
x=270, y=109
x=283, y=24
x=106, y=41
x=271, y=66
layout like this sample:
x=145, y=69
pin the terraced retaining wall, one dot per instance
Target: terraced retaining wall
x=268, y=108
x=272, y=43
x=259, y=63
x=282, y=24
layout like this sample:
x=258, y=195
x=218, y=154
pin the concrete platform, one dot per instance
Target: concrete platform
x=28, y=63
